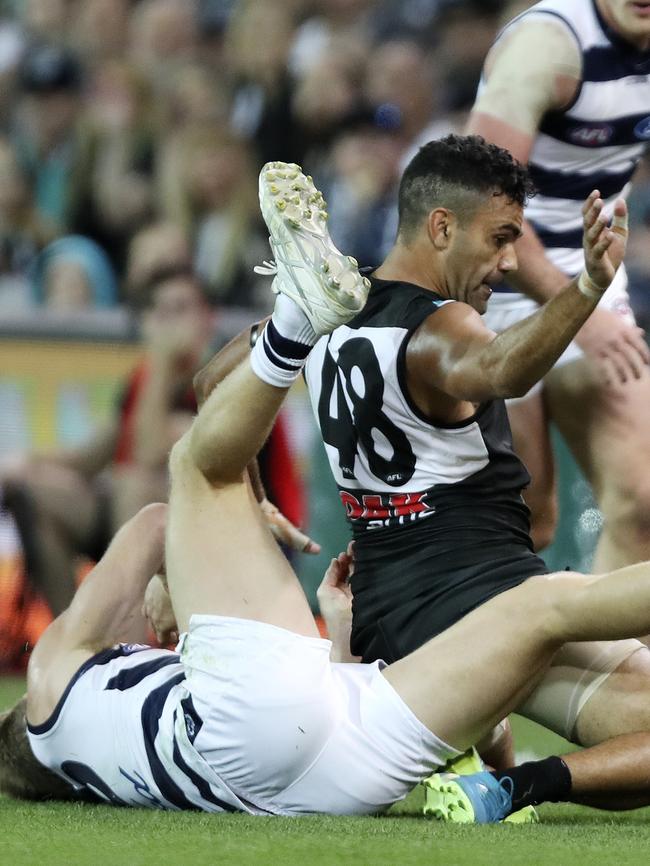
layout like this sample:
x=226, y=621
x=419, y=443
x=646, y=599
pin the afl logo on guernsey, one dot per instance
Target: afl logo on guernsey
x=642, y=129
x=596, y=135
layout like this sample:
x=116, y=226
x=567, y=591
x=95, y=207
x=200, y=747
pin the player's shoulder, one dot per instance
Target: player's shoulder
x=541, y=33
x=455, y=323
x=396, y=304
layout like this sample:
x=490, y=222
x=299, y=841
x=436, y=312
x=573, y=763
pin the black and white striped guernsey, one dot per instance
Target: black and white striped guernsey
x=595, y=143
x=394, y=468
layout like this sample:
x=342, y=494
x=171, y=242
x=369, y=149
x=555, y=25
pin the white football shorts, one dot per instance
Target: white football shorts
x=290, y=732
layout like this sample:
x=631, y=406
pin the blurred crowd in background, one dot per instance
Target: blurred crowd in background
x=132, y=131
x=131, y=136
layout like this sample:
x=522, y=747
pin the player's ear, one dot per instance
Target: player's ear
x=441, y=224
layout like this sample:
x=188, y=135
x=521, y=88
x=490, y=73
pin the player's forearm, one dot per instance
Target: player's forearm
x=537, y=277
x=521, y=355
x=224, y=362
x=109, y=601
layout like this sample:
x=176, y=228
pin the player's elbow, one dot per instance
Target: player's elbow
x=514, y=383
x=472, y=385
x=518, y=390
x=154, y=516
x=150, y=522
x=196, y=451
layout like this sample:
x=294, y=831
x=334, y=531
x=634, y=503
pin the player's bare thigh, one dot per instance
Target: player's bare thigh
x=465, y=680
x=221, y=559
x=608, y=429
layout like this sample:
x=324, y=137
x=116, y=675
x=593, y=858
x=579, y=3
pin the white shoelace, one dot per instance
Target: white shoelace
x=266, y=269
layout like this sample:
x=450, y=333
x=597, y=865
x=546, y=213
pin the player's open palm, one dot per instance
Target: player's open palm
x=617, y=346
x=604, y=245
x=335, y=602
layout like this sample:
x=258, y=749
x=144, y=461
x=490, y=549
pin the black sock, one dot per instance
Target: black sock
x=538, y=782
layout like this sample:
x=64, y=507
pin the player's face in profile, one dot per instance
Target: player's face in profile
x=483, y=252
x=630, y=18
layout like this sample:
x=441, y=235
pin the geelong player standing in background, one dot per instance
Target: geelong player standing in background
x=566, y=89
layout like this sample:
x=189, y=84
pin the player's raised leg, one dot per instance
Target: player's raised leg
x=221, y=558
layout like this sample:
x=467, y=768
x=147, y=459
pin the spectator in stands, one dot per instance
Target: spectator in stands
x=196, y=95
x=71, y=502
x=213, y=18
x=330, y=20
x=466, y=29
x=98, y=29
x=329, y=92
x=114, y=195
x=157, y=247
x=360, y=181
x=45, y=20
x=162, y=35
x=400, y=77
x=257, y=46
x=12, y=45
x=46, y=133
x=74, y=273
x=208, y=186
x=23, y=230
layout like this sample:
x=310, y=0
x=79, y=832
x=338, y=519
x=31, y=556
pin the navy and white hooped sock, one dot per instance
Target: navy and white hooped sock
x=282, y=348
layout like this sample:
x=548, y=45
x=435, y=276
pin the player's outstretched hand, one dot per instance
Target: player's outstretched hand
x=284, y=530
x=616, y=346
x=604, y=245
x=334, y=593
x=335, y=601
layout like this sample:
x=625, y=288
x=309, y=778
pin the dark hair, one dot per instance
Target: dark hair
x=455, y=172
x=21, y=775
x=164, y=274
x=50, y=68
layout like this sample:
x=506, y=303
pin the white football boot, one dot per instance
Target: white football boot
x=308, y=268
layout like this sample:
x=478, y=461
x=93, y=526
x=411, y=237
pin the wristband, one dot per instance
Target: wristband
x=588, y=288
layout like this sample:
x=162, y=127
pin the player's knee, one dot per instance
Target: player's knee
x=153, y=517
x=549, y=601
x=195, y=452
x=180, y=457
x=626, y=510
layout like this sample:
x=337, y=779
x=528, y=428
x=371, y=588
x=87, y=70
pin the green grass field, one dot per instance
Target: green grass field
x=70, y=835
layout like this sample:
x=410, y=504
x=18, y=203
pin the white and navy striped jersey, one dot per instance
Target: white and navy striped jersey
x=393, y=466
x=126, y=731
x=595, y=143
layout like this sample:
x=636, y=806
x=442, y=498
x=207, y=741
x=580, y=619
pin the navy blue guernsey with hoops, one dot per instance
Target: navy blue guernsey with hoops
x=594, y=143
x=127, y=732
x=436, y=511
